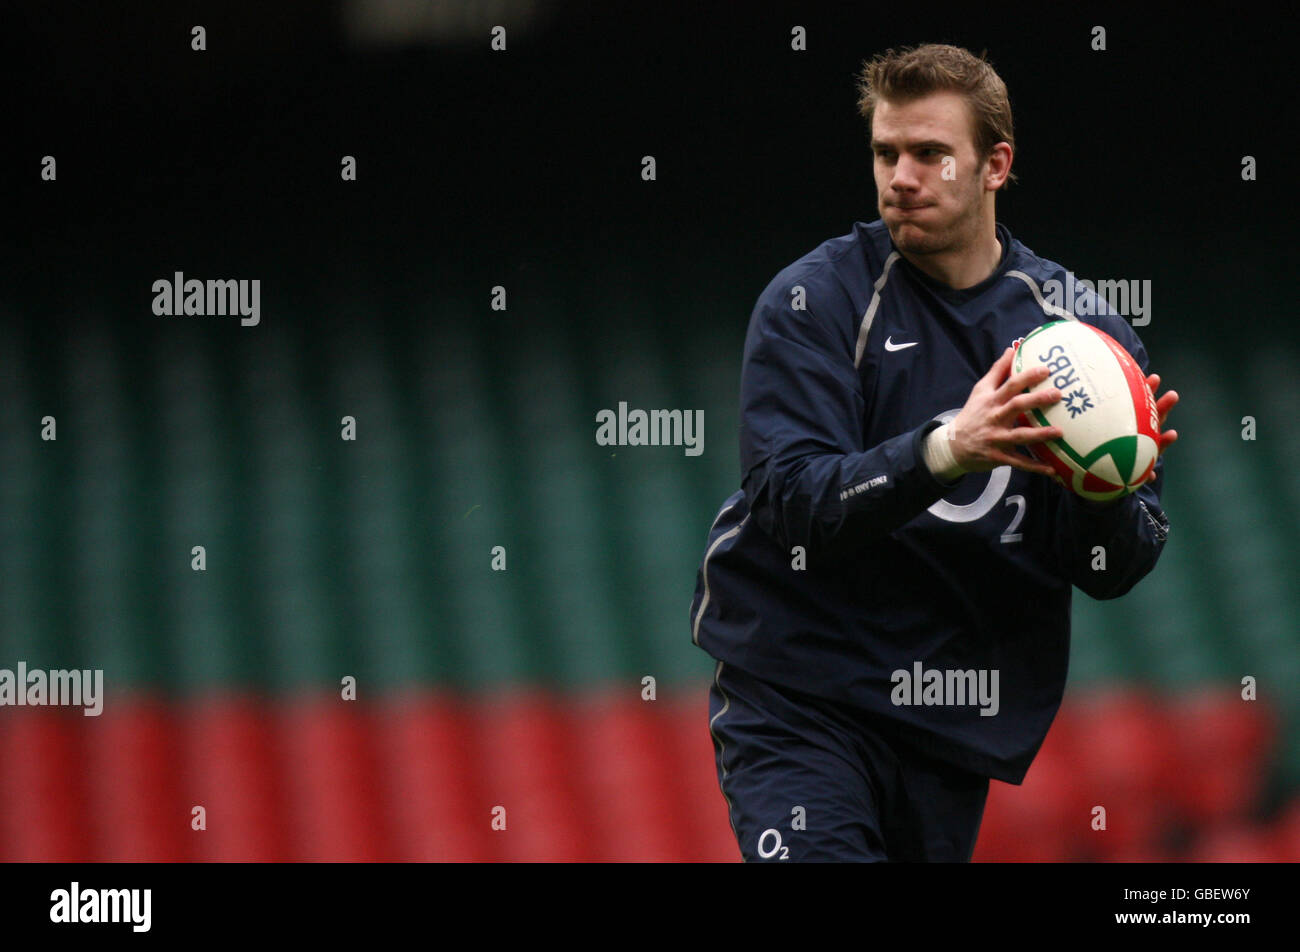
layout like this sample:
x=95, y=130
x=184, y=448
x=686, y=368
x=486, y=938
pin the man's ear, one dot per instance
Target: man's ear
x=997, y=166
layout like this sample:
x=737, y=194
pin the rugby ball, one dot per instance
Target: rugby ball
x=1107, y=413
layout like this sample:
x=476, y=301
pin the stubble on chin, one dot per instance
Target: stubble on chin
x=909, y=237
x=913, y=240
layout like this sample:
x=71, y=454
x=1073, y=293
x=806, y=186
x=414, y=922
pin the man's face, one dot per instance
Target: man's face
x=925, y=212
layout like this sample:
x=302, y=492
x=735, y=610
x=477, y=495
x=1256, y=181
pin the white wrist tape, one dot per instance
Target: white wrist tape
x=937, y=447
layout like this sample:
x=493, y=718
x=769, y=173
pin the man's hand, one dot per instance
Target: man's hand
x=1163, y=406
x=984, y=434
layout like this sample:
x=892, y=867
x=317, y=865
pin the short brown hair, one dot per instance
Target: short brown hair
x=910, y=73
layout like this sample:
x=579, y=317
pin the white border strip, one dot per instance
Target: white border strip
x=704, y=570
x=722, y=748
x=1038, y=296
x=870, y=316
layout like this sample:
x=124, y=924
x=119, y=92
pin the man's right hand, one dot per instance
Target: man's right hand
x=984, y=434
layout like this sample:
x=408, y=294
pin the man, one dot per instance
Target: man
x=889, y=523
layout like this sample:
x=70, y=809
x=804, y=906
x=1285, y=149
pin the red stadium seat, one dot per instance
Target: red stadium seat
x=135, y=779
x=623, y=760
x=332, y=780
x=1222, y=742
x=1286, y=833
x=525, y=763
x=1124, y=763
x=425, y=747
x=1040, y=820
x=232, y=770
x=43, y=805
x=704, y=809
x=1236, y=842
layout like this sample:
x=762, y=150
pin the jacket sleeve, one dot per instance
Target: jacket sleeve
x=807, y=476
x=1131, y=530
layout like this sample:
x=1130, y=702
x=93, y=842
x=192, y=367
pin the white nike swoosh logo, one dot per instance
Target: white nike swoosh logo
x=890, y=345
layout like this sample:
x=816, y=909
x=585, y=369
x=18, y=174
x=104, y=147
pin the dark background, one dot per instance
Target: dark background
x=475, y=165
x=522, y=169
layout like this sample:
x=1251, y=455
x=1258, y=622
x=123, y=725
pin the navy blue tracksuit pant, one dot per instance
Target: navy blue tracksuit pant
x=806, y=779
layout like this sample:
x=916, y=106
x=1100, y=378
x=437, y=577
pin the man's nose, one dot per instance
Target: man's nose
x=906, y=174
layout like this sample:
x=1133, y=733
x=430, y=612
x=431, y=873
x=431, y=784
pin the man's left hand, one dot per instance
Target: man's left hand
x=1163, y=405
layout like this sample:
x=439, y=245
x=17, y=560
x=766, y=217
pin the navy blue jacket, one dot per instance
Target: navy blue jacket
x=842, y=559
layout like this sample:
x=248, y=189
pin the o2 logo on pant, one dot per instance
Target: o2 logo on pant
x=999, y=480
x=773, y=838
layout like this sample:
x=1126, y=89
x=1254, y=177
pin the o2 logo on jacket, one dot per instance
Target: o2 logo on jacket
x=999, y=480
